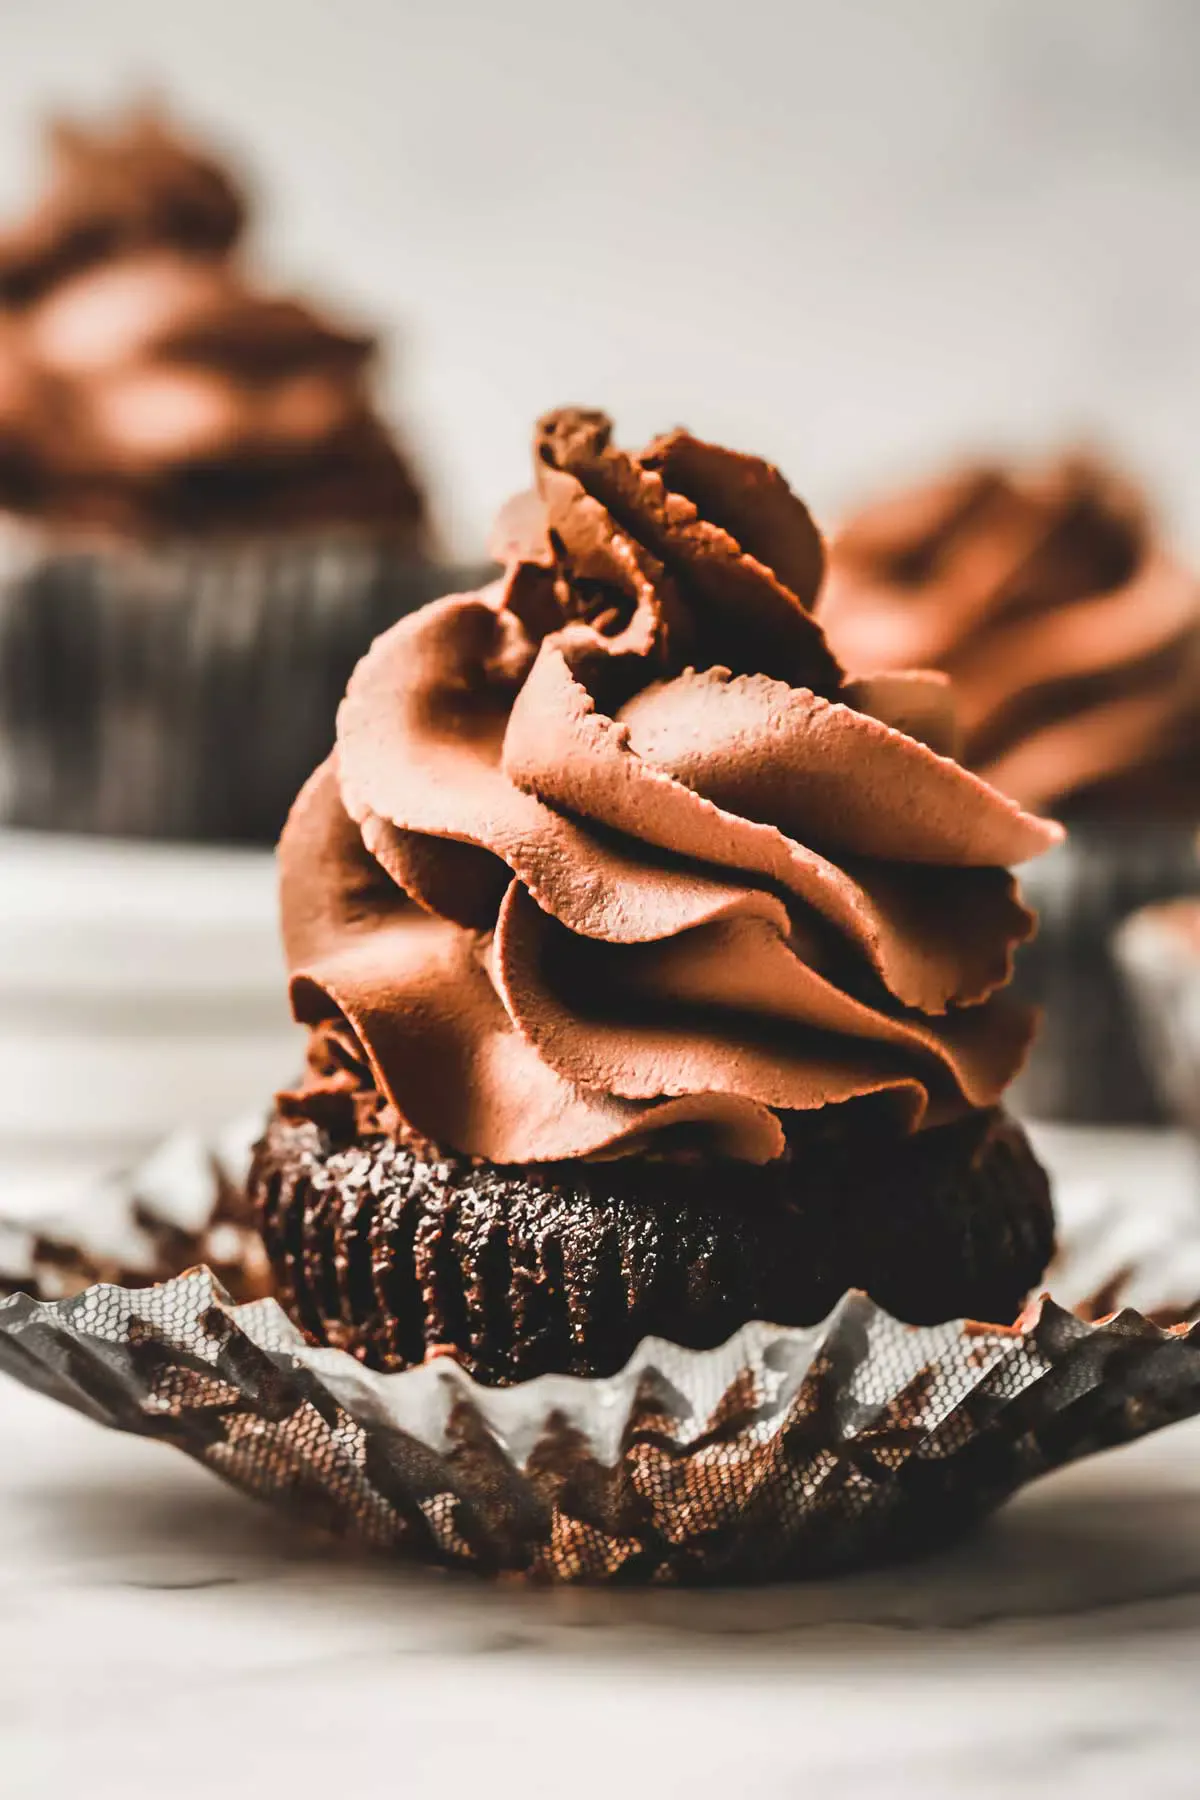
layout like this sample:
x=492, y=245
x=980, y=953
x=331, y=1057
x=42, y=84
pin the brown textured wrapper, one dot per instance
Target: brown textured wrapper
x=781, y=1454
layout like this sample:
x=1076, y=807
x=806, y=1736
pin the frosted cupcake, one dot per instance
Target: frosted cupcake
x=1072, y=637
x=206, y=519
x=654, y=973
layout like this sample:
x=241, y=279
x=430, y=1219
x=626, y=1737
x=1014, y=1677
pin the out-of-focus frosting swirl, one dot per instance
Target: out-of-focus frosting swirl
x=147, y=385
x=134, y=186
x=1072, y=640
x=609, y=856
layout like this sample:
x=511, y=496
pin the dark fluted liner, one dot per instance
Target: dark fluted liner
x=565, y=1269
x=188, y=691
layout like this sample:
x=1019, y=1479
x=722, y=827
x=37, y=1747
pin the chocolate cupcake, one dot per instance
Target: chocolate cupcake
x=654, y=975
x=1072, y=638
x=206, y=521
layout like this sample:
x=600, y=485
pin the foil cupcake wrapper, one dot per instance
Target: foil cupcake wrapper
x=186, y=690
x=782, y=1454
x=1088, y=1062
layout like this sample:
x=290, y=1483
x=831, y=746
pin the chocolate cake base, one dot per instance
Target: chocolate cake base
x=566, y=1268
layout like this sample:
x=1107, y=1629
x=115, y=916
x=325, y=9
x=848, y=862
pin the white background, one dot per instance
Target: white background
x=853, y=236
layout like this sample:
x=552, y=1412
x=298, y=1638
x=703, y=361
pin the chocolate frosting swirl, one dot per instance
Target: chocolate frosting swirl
x=136, y=186
x=147, y=385
x=610, y=856
x=1072, y=640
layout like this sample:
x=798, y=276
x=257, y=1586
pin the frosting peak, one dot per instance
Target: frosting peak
x=685, y=551
x=612, y=856
x=1071, y=639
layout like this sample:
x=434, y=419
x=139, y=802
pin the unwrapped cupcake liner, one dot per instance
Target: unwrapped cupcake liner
x=1088, y=1062
x=185, y=1203
x=783, y=1453
x=186, y=690
x=1161, y=969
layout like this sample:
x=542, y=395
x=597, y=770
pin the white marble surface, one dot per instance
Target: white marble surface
x=167, y=1636
x=142, y=990
x=160, y=1634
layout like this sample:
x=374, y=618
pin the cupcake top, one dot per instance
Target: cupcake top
x=610, y=857
x=137, y=185
x=1072, y=639
x=147, y=384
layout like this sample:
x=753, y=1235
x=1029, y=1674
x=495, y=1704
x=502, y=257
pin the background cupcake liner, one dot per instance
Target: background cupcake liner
x=185, y=1203
x=781, y=1454
x=1088, y=1062
x=187, y=691
x=1162, y=978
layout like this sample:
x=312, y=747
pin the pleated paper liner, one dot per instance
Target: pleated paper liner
x=187, y=690
x=781, y=1454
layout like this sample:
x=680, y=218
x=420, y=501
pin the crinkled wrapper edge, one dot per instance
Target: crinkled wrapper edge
x=782, y=1454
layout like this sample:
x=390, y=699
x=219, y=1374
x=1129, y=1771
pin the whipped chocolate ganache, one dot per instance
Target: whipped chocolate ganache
x=613, y=847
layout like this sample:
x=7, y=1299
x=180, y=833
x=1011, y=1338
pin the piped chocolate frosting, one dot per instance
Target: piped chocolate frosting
x=1071, y=637
x=147, y=385
x=611, y=857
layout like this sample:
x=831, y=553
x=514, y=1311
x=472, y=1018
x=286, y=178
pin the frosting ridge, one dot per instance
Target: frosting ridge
x=610, y=856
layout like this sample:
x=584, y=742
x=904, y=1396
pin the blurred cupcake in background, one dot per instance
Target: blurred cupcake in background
x=1072, y=637
x=1158, y=952
x=206, y=521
